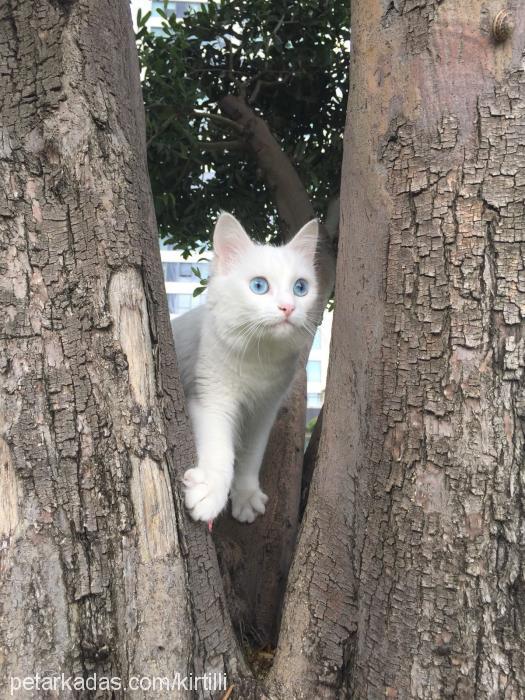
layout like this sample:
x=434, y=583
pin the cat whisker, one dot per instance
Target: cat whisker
x=310, y=328
x=249, y=331
x=258, y=345
x=256, y=336
x=239, y=337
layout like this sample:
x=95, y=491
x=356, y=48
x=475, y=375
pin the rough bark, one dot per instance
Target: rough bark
x=409, y=576
x=92, y=423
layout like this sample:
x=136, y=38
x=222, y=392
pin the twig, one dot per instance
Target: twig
x=227, y=693
x=162, y=129
x=279, y=25
x=222, y=145
x=266, y=83
x=255, y=92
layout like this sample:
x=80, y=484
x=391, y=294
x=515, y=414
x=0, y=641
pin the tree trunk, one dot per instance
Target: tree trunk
x=94, y=573
x=409, y=576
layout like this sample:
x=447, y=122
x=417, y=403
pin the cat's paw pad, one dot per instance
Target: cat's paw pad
x=204, y=496
x=247, y=504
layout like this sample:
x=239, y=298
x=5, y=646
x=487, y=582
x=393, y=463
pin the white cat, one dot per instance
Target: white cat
x=237, y=356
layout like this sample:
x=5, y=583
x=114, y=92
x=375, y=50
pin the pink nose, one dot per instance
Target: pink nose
x=287, y=309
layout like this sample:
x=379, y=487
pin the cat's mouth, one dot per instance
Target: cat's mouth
x=283, y=323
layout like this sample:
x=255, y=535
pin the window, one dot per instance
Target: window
x=316, y=345
x=182, y=272
x=203, y=268
x=160, y=5
x=165, y=246
x=183, y=7
x=198, y=300
x=185, y=270
x=313, y=371
x=186, y=274
x=176, y=7
x=170, y=271
x=314, y=400
x=159, y=31
x=179, y=303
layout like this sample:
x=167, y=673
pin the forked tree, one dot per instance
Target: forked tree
x=408, y=579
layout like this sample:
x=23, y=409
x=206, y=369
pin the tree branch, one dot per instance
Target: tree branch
x=290, y=195
x=219, y=119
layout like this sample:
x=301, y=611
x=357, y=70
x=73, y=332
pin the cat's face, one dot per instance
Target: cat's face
x=263, y=290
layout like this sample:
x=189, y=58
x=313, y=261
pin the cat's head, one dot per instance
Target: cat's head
x=264, y=289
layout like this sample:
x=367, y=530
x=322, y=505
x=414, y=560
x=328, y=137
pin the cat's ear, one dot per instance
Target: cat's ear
x=305, y=240
x=230, y=241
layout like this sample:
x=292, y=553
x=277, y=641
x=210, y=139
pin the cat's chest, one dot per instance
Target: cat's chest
x=262, y=377
x=250, y=376
x=255, y=383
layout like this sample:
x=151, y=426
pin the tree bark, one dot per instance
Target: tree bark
x=409, y=576
x=92, y=424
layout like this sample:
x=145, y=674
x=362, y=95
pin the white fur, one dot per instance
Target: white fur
x=237, y=356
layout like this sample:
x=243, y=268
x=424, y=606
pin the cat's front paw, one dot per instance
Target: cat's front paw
x=204, y=495
x=247, y=504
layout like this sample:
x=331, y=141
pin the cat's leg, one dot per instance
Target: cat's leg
x=248, y=500
x=207, y=485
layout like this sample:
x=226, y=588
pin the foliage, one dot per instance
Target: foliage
x=203, y=282
x=289, y=60
x=311, y=425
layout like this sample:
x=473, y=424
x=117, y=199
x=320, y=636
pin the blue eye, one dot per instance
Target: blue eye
x=300, y=288
x=259, y=285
